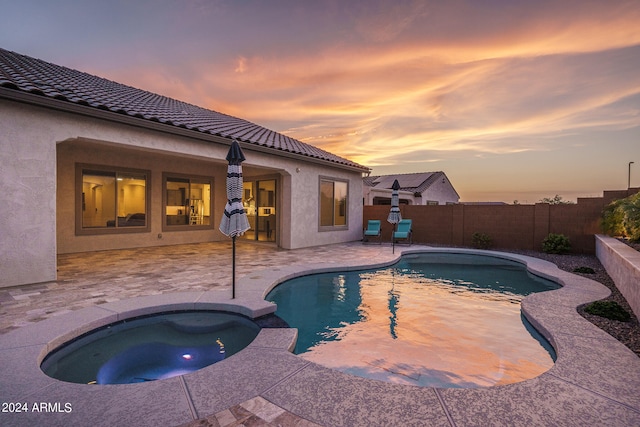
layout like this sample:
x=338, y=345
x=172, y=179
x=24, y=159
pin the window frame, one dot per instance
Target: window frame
x=333, y=227
x=80, y=230
x=187, y=227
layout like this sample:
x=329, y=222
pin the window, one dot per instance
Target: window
x=111, y=200
x=333, y=203
x=187, y=202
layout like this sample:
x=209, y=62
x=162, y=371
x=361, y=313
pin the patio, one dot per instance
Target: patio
x=595, y=380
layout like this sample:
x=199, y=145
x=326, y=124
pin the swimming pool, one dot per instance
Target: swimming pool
x=433, y=319
x=149, y=348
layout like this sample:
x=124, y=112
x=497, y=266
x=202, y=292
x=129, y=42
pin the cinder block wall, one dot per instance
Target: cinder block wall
x=509, y=226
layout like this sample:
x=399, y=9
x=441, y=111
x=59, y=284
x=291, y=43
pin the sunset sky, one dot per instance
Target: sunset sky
x=512, y=99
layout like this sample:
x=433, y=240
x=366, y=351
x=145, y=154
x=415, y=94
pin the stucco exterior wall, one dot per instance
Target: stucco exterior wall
x=371, y=193
x=440, y=191
x=305, y=222
x=28, y=204
x=40, y=148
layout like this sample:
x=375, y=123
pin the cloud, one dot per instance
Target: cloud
x=366, y=79
x=359, y=111
x=242, y=65
x=501, y=85
x=383, y=21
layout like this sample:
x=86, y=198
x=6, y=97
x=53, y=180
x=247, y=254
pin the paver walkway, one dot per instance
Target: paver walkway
x=93, y=278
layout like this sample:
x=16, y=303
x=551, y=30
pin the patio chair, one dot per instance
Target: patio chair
x=403, y=232
x=373, y=230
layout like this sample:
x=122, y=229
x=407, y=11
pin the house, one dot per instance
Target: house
x=484, y=203
x=89, y=164
x=425, y=188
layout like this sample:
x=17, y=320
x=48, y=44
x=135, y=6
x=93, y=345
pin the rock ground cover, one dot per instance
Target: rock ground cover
x=628, y=333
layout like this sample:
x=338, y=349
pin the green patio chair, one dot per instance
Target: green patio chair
x=403, y=232
x=373, y=230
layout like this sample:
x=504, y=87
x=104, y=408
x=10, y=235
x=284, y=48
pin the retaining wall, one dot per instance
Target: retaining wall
x=623, y=265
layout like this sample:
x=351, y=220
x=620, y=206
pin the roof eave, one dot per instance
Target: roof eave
x=70, y=107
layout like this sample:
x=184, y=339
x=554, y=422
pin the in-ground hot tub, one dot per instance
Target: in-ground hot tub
x=152, y=347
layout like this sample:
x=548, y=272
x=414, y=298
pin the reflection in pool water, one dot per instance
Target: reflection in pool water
x=441, y=320
x=150, y=348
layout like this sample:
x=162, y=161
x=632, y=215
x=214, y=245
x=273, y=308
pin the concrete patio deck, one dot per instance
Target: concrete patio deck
x=595, y=380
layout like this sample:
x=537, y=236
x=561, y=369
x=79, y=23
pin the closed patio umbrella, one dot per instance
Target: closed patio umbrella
x=234, y=220
x=394, y=214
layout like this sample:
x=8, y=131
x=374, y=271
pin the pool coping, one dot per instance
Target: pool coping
x=595, y=380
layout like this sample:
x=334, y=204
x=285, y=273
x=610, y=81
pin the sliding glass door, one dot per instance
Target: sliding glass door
x=259, y=201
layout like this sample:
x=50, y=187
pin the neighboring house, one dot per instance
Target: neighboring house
x=426, y=188
x=89, y=164
x=483, y=203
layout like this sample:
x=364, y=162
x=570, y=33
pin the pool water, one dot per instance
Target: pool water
x=150, y=348
x=432, y=320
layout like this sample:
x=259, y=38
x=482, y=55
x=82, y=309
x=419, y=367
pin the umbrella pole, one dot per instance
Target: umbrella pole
x=233, y=268
x=393, y=242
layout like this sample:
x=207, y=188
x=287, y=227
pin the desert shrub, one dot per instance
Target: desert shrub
x=556, y=244
x=480, y=240
x=584, y=270
x=609, y=309
x=622, y=218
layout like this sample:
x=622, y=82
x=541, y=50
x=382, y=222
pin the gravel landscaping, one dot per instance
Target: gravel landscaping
x=627, y=333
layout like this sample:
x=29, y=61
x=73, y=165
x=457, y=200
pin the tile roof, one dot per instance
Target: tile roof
x=27, y=74
x=413, y=182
